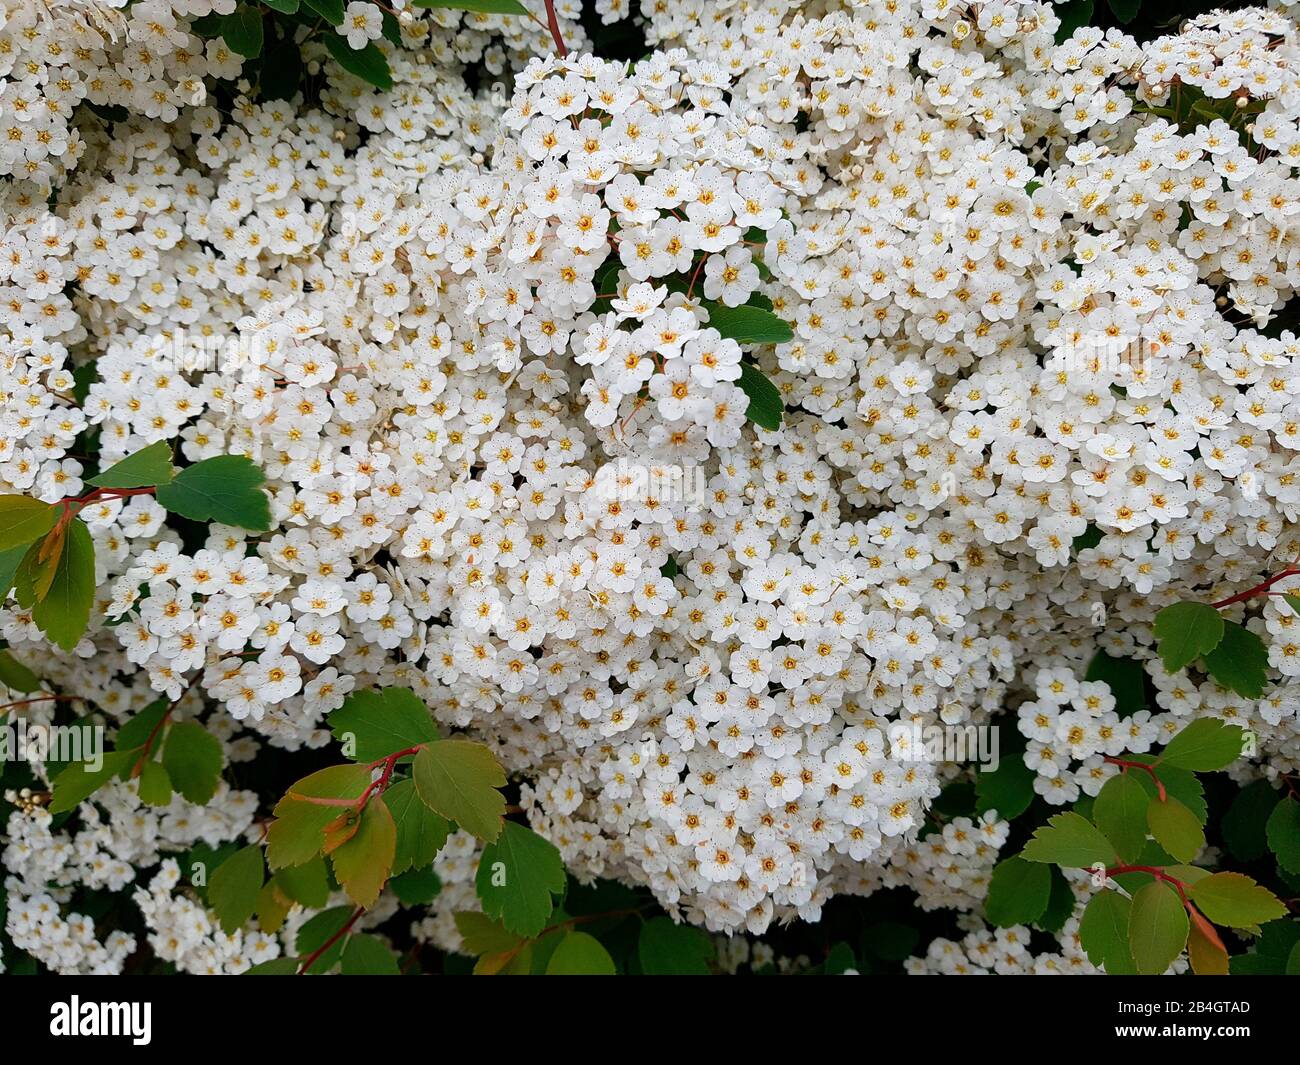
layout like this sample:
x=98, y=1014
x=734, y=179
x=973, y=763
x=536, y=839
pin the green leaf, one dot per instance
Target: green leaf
x=224, y=488
x=1009, y=789
x=317, y=931
x=1271, y=953
x=136, y=732
x=64, y=611
x=1060, y=903
x=287, y=7
x=368, y=64
x=1243, y=826
x=242, y=30
x=16, y=676
x=234, y=887
x=459, y=780
x=1239, y=662
x=748, y=325
x=1235, y=900
x=1073, y=14
x=421, y=833
x=149, y=466
x=330, y=10
x=1283, y=832
x=517, y=875
x=482, y=935
x=23, y=519
x=1120, y=811
x=274, y=967
x=1203, y=746
x=155, y=784
x=1070, y=840
x=368, y=955
x=383, y=722
x=307, y=883
x=1175, y=828
x=193, y=759
x=765, y=405
x=1293, y=601
x=362, y=863
x=890, y=940
x=1185, y=631
x=1124, y=676
x=1103, y=933
x=1125, y=10
x=1018, y=892
x=1157, y=929
x=416, y=888
x=580, y=954
x=297, y=834
x=78, y=781
x=1182, y=784
x=666, y=948
x=487, y=7
x=10, y=559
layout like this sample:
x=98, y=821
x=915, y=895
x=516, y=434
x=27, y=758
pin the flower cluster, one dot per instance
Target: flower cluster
x=1034, y=389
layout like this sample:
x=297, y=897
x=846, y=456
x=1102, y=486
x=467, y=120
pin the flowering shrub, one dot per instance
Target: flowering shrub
x=479, y=490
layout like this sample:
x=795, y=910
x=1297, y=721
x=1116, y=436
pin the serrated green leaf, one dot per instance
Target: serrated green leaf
x=368, y=63
x=287, y=7
x=78, y=781
x=297, y=834
x=242, y=31
x=1120, y=811
x=1070, y=840
x=580, y=954
x=666, y=948
x=1157, y=928
x=1239, y=662
x=1235, y=900
x=154, y=784
x=748, y=325
x=1185, y=631
x=1103, y=933
x=63, y=612
x=307, y=884
x=23, y=519
x=330, y=10
x=1018, y=892
x=193, y=758
x=482, y=935
x=362, y=863
x=368, y=955
x=10, y=559
x=149, y=466
x=1203, y=746
x=1009, y=789
x=1061, y=903
x=417, y=887
x=382, y=722
x=459, y=780
x=517, y=875
x=224, y=488
x=16, y=676
x=274, y=967
x=1283, y=833
x=235, y=886
x=136, y=732
x=317, y=931
x=1175, y=828
x=421, y=833
x=1182, y=784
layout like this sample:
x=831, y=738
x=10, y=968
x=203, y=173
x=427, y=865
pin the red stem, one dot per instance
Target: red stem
x=553, y=24
x=1158, y=873
x=1126, y=765
x=1250, y=593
